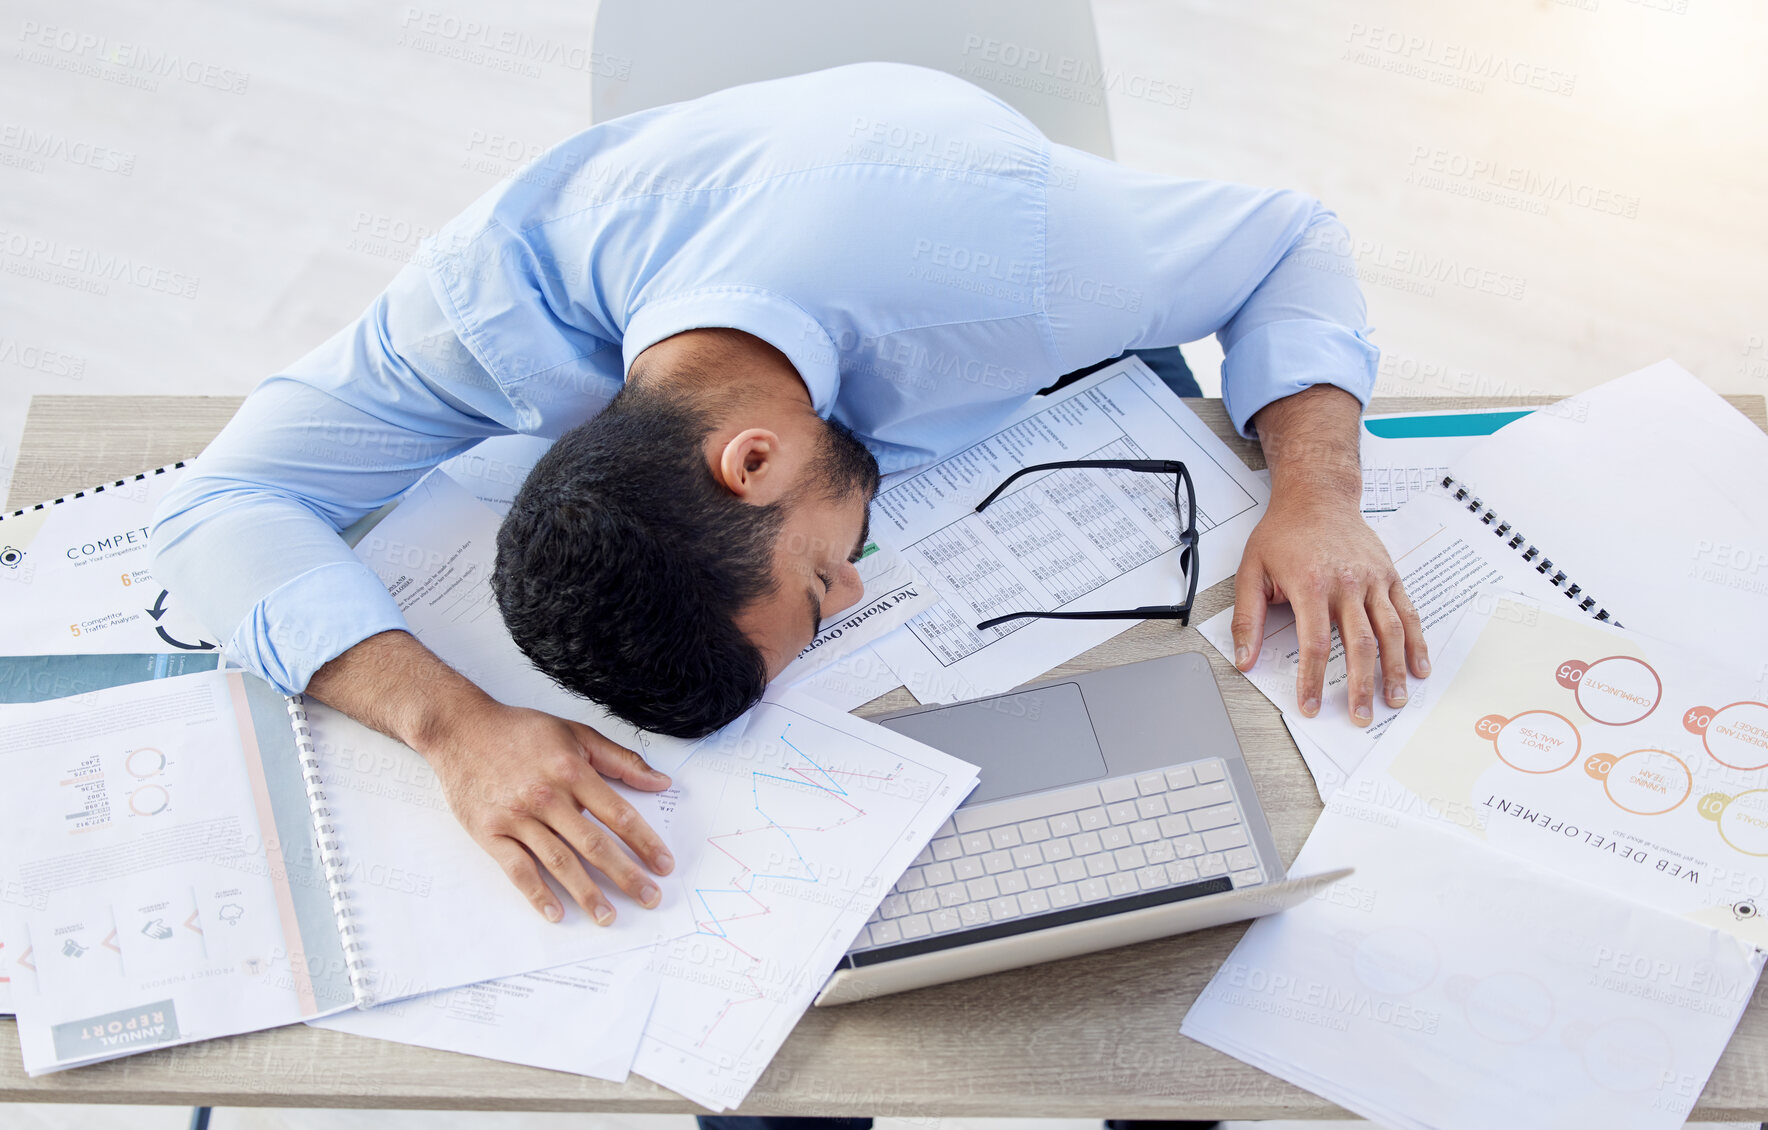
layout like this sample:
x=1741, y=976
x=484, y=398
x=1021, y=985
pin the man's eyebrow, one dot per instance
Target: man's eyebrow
x=865, y=535
x=816, y=613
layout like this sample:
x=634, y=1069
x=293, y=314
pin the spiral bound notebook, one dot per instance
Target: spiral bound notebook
x=1641, y=499
x=166, y=883
x=1525, y=548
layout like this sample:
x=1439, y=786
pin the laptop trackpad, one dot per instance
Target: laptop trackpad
x=1023, y=742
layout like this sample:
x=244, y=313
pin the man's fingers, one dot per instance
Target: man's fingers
x=601, y=847
x=518, y=865
x=611, y=759
x=558, y=858
x=1248, y=623
x=1359, y=658
x=1390, y=637
x=1417, y=651
x=1313, y=631
x=620, y=818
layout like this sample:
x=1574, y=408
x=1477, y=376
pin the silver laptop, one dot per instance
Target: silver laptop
x=1113, y=807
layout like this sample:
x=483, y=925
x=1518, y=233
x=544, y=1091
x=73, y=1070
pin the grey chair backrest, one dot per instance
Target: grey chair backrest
x=1039, y=56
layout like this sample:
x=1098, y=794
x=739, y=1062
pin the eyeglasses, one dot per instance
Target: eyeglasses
x=1184, y=498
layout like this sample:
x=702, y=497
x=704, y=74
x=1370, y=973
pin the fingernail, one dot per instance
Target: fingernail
x=1423, y=667
x=648, y=896
x=553, y=913
x=1363, y=714
x=1241, y=655
x=604, y=914
x=659, y=774
x=665, y=863
x=1311, y=707
x=1396, y=695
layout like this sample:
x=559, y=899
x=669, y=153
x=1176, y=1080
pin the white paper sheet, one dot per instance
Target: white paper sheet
x=1446, y=559
x=816, y=815
x=1069, y=539
x=148, y=894
x=1648, y=492
x=1603, y=754
x=584, y=1018
x=494, y=469
x=74, y=576
x=1444, y=985
x=1327, y=773
x=851, y=681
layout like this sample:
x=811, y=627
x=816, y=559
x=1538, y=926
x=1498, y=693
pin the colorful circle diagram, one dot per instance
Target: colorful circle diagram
x=1535, y=741
x=1742, y=819
x=1735, y=736
x=1616, y=690
x=149, y=800
x=1645, y=782
x=144, y=762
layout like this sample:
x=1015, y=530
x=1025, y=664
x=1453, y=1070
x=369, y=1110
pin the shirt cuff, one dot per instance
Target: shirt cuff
x=1283, y=358
x=774, y=319
x=312, y=619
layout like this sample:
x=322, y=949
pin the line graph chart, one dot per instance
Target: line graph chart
x=806, y=818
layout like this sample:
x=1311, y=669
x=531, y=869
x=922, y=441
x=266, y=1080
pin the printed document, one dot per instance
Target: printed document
x=815, y=814
x=1405, y=454
x=1447, y=561
x=584, y=1018
x=1447, y=986
x=75, y=577
x=1071, y=540
x=1603, y=754
x=152, y=899
x=852, y=680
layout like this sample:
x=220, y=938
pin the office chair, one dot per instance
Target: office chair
x=1042, y=58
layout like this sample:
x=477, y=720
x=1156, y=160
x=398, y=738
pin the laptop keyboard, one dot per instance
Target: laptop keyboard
x=1013, y=859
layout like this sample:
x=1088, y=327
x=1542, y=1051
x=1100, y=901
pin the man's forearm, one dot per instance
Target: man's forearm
x=1310, y=442
x=392, y=683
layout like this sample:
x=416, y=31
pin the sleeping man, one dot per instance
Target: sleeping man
x=730, y=313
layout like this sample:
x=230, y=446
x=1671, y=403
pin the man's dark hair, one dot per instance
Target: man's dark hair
x=623, y=563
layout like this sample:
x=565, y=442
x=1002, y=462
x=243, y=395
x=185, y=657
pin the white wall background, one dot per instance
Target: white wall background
x=1600, y=203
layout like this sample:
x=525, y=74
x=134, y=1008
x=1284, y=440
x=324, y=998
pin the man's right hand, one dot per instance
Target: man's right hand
x=518, y=780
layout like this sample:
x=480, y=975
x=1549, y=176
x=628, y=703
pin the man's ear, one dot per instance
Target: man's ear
x=749, y=466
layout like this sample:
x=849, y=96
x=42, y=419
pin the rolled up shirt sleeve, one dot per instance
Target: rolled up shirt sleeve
x=1136, y=261
x=248, y=538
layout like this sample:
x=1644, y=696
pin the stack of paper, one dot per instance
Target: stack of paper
x=1552, y=918
x=788, y=827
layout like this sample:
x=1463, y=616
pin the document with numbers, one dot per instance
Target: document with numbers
x=1070, y=540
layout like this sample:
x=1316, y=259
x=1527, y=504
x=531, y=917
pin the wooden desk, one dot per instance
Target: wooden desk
x=1092, y=1037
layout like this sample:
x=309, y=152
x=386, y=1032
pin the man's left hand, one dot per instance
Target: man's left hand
x=1328, y=564
x=1314, y=550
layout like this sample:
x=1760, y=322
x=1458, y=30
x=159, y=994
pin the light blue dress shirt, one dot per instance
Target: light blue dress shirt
x=923, y=256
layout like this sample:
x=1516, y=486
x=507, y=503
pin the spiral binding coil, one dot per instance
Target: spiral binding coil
x=1517, y=540
x=330, y=853
x=99, y=489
